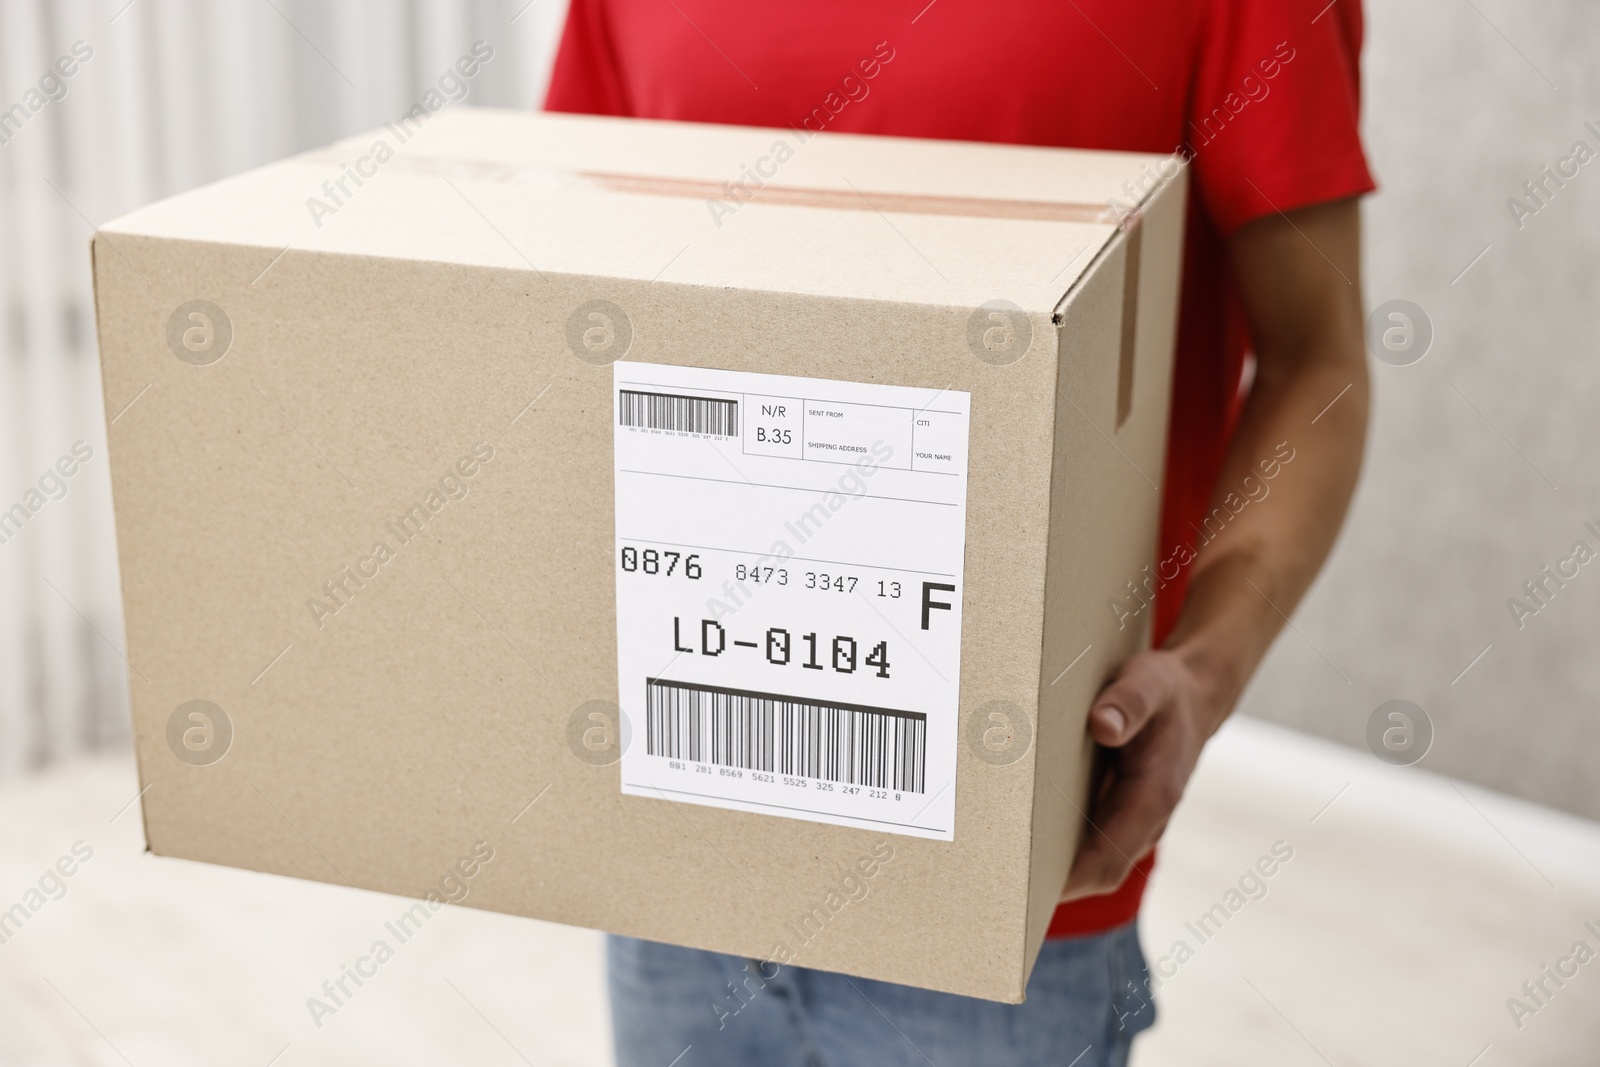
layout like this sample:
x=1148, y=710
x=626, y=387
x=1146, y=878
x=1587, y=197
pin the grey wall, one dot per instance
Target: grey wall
x=1482, y=456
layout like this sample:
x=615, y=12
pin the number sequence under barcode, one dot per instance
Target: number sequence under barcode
x=854, y=745
x=686, y=414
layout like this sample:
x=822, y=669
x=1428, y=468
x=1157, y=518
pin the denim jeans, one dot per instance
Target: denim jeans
x=676, y=1007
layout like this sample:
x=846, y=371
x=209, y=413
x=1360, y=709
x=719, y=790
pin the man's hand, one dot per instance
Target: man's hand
x=1299, y=279
x=1157, y=714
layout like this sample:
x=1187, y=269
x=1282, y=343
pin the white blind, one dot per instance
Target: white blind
x=163, y=95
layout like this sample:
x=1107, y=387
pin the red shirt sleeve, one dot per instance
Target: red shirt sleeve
x=1274, y=111
x=586, y=78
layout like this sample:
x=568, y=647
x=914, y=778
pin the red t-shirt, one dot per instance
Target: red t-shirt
x=1262, y=95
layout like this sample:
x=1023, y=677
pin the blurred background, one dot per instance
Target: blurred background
x=174, y=95
x=1427, y=894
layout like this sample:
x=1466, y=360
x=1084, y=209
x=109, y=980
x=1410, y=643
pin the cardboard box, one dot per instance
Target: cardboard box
x=395, y=424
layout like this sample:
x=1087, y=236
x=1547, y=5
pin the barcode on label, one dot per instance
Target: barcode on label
x=847, y=743
x=687, y=414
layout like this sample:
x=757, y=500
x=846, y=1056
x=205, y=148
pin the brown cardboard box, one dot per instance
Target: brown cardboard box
x=407, y=341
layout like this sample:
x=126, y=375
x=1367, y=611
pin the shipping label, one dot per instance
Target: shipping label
x=789, y=580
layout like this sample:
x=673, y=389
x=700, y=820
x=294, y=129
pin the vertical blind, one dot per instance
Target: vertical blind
x=106, y=105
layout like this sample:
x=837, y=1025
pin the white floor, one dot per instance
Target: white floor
x=1411, y=909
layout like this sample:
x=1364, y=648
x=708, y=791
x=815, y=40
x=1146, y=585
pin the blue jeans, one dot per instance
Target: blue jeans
x=676, y=1007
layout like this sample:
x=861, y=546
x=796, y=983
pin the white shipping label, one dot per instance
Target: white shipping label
x=789, y=580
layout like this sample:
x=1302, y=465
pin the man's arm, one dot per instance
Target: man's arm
x=1299, y=277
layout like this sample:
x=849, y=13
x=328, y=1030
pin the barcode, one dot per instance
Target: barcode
x=688, y=414
x=846, y=743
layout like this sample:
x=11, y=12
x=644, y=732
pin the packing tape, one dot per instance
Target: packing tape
x=855, y=199
x=704, y=189
x=1134, y=231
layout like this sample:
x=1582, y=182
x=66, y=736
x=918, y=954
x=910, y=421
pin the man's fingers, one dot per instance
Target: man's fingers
x=1101, y=867
x=1127, y=822
x=1096, y=871
x=1124, y=706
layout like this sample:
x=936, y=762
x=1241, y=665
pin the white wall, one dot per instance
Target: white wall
x=1482, y=456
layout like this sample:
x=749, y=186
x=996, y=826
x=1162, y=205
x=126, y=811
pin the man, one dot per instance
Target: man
x=1262, y=97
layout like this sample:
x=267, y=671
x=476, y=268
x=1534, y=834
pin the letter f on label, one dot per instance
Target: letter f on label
x=929, y=604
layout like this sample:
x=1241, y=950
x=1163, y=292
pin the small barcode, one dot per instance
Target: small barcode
x=686, y=414
x=846, y=743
